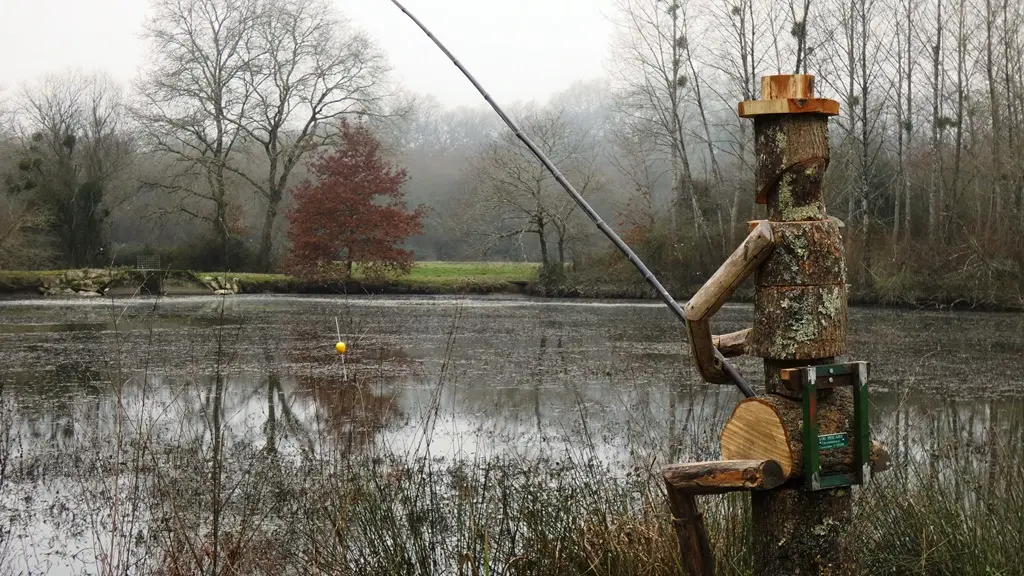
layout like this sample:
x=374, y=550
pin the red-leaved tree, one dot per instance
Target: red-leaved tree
x=354, y=212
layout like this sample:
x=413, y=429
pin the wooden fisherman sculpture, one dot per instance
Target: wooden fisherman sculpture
x=809, y=432
x=800, y=447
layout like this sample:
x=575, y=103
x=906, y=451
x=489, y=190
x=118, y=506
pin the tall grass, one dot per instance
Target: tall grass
x=5, y=461
x=203, y=500
x=959, y=513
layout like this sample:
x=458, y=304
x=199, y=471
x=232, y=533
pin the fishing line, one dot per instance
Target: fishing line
x=341, y=348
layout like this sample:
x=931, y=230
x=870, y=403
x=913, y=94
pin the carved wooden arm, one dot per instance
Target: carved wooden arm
x=699, y=310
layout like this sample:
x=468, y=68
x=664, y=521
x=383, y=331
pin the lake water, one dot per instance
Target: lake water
x=445, y=377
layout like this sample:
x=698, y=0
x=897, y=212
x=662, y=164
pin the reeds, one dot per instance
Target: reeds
x=206, y=502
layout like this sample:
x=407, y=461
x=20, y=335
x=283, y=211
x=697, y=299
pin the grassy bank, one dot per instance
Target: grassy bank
x=14, y=281
x=620, y=281
x=425, y=278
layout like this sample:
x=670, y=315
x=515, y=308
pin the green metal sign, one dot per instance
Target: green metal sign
x=833, y=441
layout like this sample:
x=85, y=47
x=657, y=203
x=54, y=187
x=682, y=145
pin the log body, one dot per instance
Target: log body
x=792, y=156
x=723, y=476
x=800, y=318
x=800, y=294
x=807, y=253
x=805, y=533
x=769, y=428
x=799, y=322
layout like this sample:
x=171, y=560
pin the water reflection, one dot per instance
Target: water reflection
x=193, y=379
x=516, y=370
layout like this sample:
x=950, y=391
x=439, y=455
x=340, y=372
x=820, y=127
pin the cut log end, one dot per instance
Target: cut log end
x=768, y=428
x=754, y=108
x=756, y=428
x=724, y=476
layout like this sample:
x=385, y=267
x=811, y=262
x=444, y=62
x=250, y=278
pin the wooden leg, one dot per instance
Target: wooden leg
x=694, y=548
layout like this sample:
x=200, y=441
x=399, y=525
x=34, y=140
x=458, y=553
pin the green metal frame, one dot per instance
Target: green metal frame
x=814, y=378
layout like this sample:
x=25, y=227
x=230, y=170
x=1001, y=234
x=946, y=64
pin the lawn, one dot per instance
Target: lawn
x=437, y=273
x=447, y=273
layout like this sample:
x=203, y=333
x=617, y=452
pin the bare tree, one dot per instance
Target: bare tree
x=964, y=30
x=938, y=123
x=995, y=107
x=307, y=67
x=513, y=196
x=905, y=13
x=859, y=64
x=195, y=102
x=717, y=181
x=75, y=151
x=635, y=161
x=22, y=221
x=653, y=84
x=1013, y=88
x=733, y=53
x=799, y=32
x=21, y=225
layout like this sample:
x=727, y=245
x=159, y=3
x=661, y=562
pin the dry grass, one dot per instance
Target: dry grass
x=196, y=506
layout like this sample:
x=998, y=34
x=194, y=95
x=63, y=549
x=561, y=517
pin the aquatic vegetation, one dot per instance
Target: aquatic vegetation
x=215, y=436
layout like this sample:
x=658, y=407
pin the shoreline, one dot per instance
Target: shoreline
x=30, y=284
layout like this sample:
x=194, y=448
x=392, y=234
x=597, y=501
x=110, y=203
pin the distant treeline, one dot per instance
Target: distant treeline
x=927, y=165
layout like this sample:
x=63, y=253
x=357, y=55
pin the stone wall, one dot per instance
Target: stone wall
x=94, y=282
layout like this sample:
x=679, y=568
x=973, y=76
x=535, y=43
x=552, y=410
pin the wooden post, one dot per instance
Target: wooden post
x=685, y=481
x=694, y=548
x=800, y=317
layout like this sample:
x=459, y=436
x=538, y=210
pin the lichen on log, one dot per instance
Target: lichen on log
x=798, y=322
x=808, y=253
x=792, y=156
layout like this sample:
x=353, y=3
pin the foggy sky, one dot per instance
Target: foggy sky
x=519, y=50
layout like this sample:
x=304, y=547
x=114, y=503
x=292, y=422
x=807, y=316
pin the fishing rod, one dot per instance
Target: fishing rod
x=594, y=216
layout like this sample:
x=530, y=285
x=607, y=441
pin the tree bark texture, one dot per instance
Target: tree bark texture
x=732, y=344
x=800, y=318
x=808, y=253
x=723, y=476
x=694, y=548
x=799, y=322
x=792, y=156
x=800, y=533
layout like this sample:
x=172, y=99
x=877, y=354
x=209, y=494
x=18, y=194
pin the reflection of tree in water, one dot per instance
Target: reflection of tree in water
x=52, y=400
x=354, y=409
x=222, y=495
